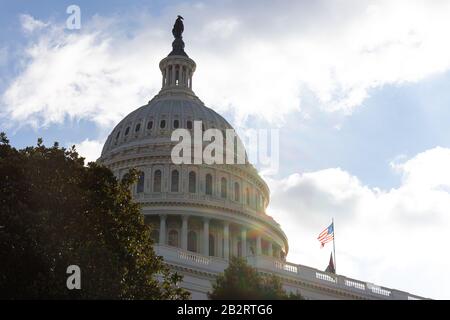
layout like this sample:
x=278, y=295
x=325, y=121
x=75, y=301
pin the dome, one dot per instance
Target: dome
x=217, y=210
x=157, y=119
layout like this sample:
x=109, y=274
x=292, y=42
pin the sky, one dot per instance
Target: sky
x=357, y=89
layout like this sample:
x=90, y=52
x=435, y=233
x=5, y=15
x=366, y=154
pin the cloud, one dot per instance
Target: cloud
x=78, y=76
x=388, y=237
x=260, y=62
x=89, y=149
x=30, y=24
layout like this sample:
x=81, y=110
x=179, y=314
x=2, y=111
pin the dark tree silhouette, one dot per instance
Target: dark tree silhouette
x=56, y=212
x=242, y=282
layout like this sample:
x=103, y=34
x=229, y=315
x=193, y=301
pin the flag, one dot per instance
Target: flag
x=326, y=235
x=331, y=268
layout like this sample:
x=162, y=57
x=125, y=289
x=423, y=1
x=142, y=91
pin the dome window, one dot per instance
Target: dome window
x=174, y=186
x=176, y=124
x=118, y=134
x=162, y=124
x=157, y=181
x=127, y=131
x=138, y=127
x=236, y=192
x=150, y=125
x=192, y=241
x=140, y=183
x=173, y=238
x=192, y=182
x=223, y=188
x=189, y=124
x=208, y=184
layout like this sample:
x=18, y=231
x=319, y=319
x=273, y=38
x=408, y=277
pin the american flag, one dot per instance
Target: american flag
x=326, y=235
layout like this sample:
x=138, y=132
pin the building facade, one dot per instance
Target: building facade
x=202, y=214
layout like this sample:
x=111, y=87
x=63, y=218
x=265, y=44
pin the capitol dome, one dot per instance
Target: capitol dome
x=214, y=210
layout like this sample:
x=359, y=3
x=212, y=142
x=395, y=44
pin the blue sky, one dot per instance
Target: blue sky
x=358, y=90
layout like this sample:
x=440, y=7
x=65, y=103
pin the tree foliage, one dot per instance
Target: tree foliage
x=243, y=282
x=56, y=212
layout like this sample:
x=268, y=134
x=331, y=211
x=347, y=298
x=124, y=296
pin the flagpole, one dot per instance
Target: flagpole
x=334, y=245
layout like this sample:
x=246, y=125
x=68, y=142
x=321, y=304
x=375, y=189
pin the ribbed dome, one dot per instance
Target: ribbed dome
x=157, y=119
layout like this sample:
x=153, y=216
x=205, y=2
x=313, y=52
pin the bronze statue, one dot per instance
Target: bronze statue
x=178, y=28
x=178, y=44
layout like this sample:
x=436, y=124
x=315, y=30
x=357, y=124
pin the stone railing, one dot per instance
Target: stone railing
x=194, y=257
x=180, y=257
x=364, y=290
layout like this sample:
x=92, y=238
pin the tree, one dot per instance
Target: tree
x=56, y=212
x=242, y=282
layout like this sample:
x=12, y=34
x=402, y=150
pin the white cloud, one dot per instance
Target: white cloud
x=396, y=238
x=89, y=149
x=259, y=61
x=30, y=24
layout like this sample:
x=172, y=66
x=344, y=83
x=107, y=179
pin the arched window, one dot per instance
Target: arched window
x=247, y=196
x=192, y=182
x=140, y=183
x=208, y=184
x=157, y=181
x=174, y=186
x=237, y=192
x=192, y=241
x=150, y=125
x=155, y=235
x=138, y=127
x=223, y=188
x=176, y=124
x=162, y=124
x=189, y=124
x=173, y=238
x=211, y=245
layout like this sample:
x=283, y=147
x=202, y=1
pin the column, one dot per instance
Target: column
x=190, y=79
x=163, y=77
x=184, y=232
x=173, y=75
x=206, y=236
x=270, y=249
x=162, y=229
x=167, y=77
x=226, y=240
x=258, y=245
x=244, y=242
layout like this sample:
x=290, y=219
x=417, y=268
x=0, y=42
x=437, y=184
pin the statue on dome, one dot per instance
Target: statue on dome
x=178, y=28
